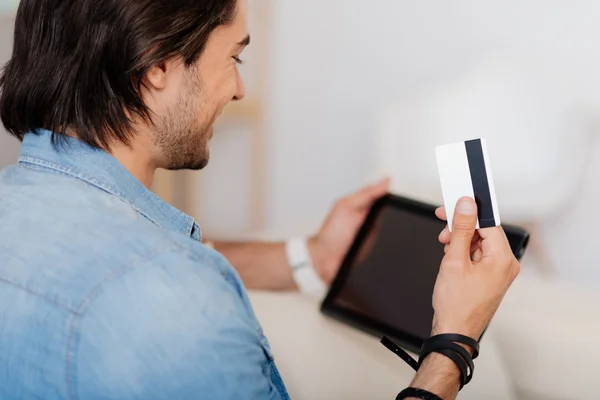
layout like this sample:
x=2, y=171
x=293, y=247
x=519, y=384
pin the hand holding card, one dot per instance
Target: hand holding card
x=465, y=171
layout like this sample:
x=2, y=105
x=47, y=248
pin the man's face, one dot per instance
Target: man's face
x=192, y=98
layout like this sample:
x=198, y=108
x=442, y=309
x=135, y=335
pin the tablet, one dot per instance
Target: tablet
x=385, y=284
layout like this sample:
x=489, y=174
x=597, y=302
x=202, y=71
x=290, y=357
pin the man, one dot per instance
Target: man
x=107, y=292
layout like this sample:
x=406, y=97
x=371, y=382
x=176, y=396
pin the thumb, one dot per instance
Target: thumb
x=463, y=229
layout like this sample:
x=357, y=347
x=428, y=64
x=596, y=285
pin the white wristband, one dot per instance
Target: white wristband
x=303, y=270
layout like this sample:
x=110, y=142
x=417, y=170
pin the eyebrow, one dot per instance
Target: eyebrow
x=245, y=42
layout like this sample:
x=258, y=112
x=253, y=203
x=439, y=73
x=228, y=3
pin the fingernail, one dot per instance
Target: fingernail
x=465, y=207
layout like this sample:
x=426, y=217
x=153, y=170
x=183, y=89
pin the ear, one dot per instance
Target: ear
x=156, y=77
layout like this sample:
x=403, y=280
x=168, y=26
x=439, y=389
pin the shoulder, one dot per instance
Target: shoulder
x=175, y=275
x=170, y=328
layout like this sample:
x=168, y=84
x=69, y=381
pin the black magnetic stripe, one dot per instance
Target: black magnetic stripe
x=481, y=187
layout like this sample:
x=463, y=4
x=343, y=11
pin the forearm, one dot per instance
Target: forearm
x=438, y=375
x=262, y=266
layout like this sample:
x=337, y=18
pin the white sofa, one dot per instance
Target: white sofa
x=546, y=332
x=323, y=359
x=539, y=346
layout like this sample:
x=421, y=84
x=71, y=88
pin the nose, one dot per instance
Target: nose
x=240, y=92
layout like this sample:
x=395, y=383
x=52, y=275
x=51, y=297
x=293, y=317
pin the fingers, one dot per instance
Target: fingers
x=495, y=242
x=365, y=197
x=441, y=213
x=495, y=234
x=475, y=250
x=445, y=236
x=477, y=255
x=463, y=230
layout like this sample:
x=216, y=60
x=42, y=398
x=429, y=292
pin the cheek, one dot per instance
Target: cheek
x=222, y=91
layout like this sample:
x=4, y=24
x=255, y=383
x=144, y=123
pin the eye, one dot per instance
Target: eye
x=238, y=60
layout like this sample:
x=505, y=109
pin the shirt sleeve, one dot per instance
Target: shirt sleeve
x=168, y=329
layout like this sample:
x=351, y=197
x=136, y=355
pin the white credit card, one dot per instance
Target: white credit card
x=464, y=169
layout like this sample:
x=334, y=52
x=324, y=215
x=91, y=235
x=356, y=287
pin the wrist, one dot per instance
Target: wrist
x=443, y=356
x=304, y=272
x=445, y=371
x=441, y=328
x=318, y=254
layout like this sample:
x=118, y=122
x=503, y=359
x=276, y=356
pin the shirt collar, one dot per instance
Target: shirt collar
x=98, y=168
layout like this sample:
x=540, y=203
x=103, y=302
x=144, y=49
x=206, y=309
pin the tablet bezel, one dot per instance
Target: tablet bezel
x=370, y=325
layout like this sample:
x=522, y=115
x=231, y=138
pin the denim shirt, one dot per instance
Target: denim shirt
x=106, y=291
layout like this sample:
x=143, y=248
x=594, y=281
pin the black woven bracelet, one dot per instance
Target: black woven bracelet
x=456, y=338
x=418, y=393
x=446, y=345
x=455, y=352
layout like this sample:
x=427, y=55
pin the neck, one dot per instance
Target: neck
x=135, y=158
x=137, y=162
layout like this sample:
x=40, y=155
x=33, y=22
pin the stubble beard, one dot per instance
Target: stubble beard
x=181, y=139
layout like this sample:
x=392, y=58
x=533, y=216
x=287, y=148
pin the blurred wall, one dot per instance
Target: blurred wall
x=336, y=62
x=7, y=6
x=9, y=147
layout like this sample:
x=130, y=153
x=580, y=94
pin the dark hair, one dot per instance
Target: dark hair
x=79, y=64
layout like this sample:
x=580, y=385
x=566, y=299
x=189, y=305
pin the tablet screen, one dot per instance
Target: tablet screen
x=392, y=277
